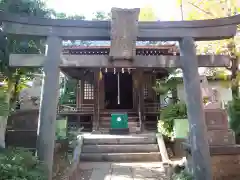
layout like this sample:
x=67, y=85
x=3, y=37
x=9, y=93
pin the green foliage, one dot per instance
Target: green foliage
x=183, y=175
x=69, y=93
x=4, y=105
x=234, y=114
x=101, y=15
x=61, y=128
x=168, y=114
x=72, y=137
x=147, y=13
x=26, y=7
x=73, y=140
x=163, y=86
x=18, y=164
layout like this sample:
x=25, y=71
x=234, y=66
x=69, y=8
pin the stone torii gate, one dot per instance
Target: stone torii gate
x=123, y=32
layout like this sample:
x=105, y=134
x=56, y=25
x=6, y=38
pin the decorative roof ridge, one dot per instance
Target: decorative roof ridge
x=107, y=47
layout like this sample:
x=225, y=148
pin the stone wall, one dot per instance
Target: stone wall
x=225, y=154
x=22, y=129
x=226, y=167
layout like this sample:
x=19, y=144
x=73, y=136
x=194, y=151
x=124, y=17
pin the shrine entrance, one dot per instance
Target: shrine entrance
x=124, y=31
x=118, y=90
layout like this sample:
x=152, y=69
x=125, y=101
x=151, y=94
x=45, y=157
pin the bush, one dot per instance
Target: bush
x=19, y=164
x=168, y=114
x=234, y=115
x=183, y=175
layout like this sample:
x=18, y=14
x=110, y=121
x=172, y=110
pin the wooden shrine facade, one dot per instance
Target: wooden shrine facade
x=123, y=31
x=104, y=90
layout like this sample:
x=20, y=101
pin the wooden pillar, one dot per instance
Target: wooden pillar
x=198, y=130
x=78, y=94
x=81, y=92
x=48, y=105
x=79, y=99
x=102, y=93
x=140, y=99
x=80, y=89
x=96, y=100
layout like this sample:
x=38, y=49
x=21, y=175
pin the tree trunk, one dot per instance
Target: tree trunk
x=3, y=126
x=235, y=86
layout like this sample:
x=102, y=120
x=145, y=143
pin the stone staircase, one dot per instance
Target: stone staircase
x=116, y=148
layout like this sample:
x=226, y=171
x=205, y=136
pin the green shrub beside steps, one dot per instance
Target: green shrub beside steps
x=19, y=164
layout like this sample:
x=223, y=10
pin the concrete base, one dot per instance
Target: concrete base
x=225, y=161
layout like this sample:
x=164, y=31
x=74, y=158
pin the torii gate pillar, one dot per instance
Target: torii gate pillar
x=48, y=105
x=199, y=143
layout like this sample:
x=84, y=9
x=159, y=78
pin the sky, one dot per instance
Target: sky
x=164, y=9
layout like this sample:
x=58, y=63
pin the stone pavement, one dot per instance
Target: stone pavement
x=122, y=171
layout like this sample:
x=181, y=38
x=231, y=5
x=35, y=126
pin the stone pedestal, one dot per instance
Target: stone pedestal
x=225, y=154
x=219, y=133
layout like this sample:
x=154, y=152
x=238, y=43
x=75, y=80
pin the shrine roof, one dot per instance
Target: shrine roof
x=108, y=47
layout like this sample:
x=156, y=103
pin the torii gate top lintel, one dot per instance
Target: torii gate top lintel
x=213, y=29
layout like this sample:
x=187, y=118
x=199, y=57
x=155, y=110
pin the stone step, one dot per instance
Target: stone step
x=129, y=148
x=121, y=157
x=117, y=139
x=106, y=130
x=107, y=125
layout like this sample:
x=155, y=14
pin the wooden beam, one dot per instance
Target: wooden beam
x=100, y=30
x=199, y=143
x=91, y=61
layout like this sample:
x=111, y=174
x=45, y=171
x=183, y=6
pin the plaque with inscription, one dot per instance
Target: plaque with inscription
x=124, y=29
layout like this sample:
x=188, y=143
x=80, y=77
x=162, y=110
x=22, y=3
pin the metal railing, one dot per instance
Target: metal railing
x=72, y=108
